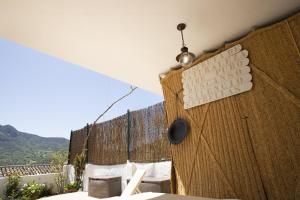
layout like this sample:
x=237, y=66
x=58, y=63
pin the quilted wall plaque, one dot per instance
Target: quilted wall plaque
x=221, y=76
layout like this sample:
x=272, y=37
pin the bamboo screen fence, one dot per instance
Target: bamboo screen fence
x=245, y=146
x=107, y=144
x=144, y=130
x=76, y=143
x=148, y=138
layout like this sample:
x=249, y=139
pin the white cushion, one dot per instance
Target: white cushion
x=148, y=167
x=162, y=169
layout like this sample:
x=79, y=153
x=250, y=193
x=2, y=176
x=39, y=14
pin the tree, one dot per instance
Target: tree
x=13, y=187
x=79, y=162
x=59, y=158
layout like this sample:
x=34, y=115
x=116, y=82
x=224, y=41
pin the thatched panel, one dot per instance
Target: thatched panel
x=246, y=146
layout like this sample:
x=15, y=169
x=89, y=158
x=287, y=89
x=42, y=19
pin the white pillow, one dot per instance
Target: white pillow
x=130, y=170
x=149, y=167
x=162, y=169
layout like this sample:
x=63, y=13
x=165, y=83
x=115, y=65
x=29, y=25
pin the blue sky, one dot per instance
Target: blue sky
x=49, y=97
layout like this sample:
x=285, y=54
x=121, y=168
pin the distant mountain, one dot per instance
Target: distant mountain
x=18, y=148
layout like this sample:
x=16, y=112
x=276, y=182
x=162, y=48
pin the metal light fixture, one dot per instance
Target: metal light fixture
x=185, y=58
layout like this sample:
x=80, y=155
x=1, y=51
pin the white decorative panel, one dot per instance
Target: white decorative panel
x=221, y=76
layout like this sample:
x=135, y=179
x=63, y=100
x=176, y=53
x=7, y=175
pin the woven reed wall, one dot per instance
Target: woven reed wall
x=148, y=138
x=76, y=143
x=108, y=141
x=245, y=146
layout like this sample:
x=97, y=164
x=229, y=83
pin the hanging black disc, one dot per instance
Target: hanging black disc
x=177, y=131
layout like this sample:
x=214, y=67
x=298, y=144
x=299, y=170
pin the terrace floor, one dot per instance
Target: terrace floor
x=84, y=196
x=141, y=196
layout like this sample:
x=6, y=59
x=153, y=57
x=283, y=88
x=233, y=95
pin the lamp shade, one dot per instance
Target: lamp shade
x=186, y=59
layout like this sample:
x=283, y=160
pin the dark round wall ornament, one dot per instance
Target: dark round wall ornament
x=177, y=131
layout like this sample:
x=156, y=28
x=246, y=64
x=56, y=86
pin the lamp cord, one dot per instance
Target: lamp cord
x=183, y=44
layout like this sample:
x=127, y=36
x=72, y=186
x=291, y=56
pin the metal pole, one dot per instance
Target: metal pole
x=128, y=134
x=69, y=154
x=87, y=144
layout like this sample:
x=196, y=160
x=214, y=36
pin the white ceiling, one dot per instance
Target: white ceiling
x=132, y=40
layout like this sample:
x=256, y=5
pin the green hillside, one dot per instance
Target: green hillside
x=18, y=148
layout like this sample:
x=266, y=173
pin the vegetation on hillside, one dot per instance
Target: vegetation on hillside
x=18, y=148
